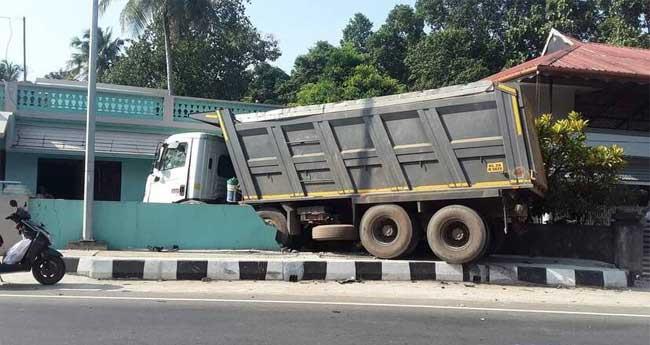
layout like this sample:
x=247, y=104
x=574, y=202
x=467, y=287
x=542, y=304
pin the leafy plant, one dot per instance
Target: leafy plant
x=176, y=18
x=108, y=52
x=9, y=71
x=331, y=74
x=216, y=58
x=582, y=180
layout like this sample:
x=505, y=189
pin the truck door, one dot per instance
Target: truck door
x=169, y=182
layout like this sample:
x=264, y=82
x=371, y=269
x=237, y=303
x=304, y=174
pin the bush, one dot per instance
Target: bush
x=582, y=180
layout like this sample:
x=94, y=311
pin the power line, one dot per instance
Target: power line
x=11, y=33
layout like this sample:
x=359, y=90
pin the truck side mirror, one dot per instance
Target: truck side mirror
x=13, y=203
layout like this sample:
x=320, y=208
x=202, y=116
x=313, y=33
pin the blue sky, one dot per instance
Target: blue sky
x=296, y=24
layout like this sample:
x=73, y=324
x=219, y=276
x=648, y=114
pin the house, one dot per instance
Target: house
x=608, y=85
x=42, y=131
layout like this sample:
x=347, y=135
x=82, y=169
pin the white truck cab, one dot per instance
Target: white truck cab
x=189, y=168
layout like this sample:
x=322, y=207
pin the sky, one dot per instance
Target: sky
x=296, y=24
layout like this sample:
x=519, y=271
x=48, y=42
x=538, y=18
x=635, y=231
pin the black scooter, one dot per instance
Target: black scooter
x=46, y=263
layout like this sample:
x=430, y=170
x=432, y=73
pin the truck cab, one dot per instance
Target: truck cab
x=189, y=168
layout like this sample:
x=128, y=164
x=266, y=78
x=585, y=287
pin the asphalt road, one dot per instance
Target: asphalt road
x=110, y=312
x=86, y=321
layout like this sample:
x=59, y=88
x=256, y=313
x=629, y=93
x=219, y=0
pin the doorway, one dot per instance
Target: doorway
x=64, y=179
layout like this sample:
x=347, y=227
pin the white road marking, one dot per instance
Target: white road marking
x=332, y=303
x=70, y=289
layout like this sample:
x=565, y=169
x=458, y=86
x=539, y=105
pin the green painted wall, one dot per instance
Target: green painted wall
x=135, y=225
x=22, y=166
x=134, y=177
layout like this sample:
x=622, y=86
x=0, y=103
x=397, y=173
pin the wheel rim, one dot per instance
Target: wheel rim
x=48, y=269
x=385, y=231
x=270, y=222
x=455, y=234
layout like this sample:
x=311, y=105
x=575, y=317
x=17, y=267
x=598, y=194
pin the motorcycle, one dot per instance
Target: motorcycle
x=46, y=263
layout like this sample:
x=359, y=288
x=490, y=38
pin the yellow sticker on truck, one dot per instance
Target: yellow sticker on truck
x=495, y=167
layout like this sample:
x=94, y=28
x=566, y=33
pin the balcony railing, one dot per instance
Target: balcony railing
x=185, y=106
x=58, y=100
x=70, y=98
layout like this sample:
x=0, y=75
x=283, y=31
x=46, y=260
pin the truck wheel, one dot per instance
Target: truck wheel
x=192, y=202
x=457, y=234
x=386, y=231
x=278, y=220
x=334, y=232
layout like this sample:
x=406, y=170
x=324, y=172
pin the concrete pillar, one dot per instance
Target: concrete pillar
x=11, y=96
x=628, y=242
x=168, y=109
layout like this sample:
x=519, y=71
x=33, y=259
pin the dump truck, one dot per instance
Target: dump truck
x=452, y=166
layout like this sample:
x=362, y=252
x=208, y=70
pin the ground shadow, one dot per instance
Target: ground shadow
x=7, y=286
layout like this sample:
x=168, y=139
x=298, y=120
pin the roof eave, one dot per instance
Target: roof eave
x=593, y=73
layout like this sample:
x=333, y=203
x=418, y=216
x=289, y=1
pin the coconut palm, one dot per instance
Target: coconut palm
x=9, y=71
x=174, y=15
x=61, y=74
x=108, y=51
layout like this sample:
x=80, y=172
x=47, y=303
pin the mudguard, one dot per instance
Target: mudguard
x=51, y=252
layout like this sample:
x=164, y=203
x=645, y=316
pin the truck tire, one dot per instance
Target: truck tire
x=334, y=232
x=277, y=220
x=457, y=234
x=192, y=202
x=386, y=231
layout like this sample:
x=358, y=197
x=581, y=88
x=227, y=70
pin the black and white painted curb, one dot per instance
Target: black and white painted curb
x=336, y=270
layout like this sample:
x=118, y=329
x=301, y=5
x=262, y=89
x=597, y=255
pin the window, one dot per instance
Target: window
x=224, y=167
x=174, y=157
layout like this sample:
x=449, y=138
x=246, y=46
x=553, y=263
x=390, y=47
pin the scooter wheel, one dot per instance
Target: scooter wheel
x=49, y=271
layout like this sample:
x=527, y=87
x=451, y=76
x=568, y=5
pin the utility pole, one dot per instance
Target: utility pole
x=89, y=186
x=24, y=51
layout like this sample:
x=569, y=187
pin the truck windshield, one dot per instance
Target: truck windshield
x=174, y=157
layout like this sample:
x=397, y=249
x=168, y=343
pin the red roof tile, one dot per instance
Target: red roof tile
x=586, y=58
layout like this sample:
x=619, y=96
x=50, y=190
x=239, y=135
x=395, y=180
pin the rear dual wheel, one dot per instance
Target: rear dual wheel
x=386, y=231
x=457, y=234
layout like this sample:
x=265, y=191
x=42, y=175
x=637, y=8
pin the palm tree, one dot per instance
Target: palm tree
x=9, y=71
x=108, y=51
x=61, y=74
x=175, y=15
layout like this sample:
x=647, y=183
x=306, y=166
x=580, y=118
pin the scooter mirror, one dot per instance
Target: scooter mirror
x=13, y=203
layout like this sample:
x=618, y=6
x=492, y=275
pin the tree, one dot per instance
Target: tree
x=143, y=64
x=9, y=71
x=364, y=82
x=108, y=52
x=517, y=29
x=358, y=32
x=264, y=85
x=324, y=91
x=216, y=57
x=322, y=61
x=389, y=45
x=176, y=17
x=448, y=57
x=582, y=180
x=61, y=74
x=331, y=74
x=625, y=23
x=367, y=81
